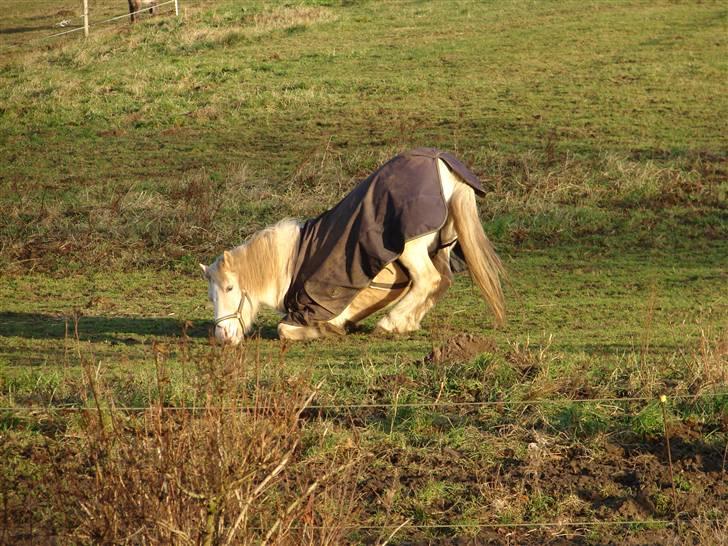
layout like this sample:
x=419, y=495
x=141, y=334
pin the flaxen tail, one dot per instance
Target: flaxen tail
x=484, y=264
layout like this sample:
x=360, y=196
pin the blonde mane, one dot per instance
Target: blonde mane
x=263, y=262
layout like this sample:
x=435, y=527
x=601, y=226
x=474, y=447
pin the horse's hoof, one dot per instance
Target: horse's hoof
x=386, y=325
x=330, y=330
x=290, y=332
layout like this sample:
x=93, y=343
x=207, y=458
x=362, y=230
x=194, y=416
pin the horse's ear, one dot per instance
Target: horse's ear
x=227, y=258
x=204, y=271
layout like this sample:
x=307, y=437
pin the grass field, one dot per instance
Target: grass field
x=598, y=129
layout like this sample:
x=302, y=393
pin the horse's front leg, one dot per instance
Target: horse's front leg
x=427, y=284
x=295, y=332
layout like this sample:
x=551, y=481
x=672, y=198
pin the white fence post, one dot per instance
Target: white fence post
x=85, y=18
x=176, y=8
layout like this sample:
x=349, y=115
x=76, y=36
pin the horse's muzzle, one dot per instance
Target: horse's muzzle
x=230, y=335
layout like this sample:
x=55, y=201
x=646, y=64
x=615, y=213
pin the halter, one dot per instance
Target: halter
x=238, y=314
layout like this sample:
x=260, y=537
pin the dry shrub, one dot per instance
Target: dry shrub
x=219, y=474
x=184, y=213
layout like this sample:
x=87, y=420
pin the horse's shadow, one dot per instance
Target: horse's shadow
x=98, y=328
x=127, y=330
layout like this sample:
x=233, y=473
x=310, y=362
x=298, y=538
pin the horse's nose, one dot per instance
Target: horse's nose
x=222, y=332
x=227, y=333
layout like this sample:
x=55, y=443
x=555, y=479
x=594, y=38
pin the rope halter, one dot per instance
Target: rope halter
x=238, y=314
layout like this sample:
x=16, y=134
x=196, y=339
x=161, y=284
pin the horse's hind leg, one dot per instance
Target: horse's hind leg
x=427, y=284
x=441, y=262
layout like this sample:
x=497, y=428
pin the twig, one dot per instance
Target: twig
x=405, y=522
x=308, y=400
x=311, y=488
x=663, y=403
x=277, y=470
x=394, y=414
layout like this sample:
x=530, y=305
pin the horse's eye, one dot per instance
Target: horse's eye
x=229, y=289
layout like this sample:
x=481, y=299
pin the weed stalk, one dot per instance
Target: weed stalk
x=663, y=404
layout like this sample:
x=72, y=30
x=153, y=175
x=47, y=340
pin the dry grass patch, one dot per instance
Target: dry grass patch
x=709, y=365
x=282, y=18
x=288, y=17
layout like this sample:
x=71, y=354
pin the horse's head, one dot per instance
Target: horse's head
x=234, y=310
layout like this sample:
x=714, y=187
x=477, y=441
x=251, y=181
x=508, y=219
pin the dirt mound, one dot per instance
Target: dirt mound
x=461, y=348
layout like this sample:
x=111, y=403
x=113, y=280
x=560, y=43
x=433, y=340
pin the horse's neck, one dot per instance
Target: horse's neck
x=274, y=253
x=288, y=236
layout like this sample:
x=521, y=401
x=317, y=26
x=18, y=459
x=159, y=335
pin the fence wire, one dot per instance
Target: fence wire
x=374, y=405
x=474, y=525
x=110, y=19
x=104, y=21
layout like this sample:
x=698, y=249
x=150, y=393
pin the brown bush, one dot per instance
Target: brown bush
x=235, y=470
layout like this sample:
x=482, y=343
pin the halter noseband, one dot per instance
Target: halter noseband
x=238, y=314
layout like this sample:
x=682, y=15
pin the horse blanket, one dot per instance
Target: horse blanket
x=343, y=249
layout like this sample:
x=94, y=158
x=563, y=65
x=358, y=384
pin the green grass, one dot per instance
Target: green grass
x=598, y=131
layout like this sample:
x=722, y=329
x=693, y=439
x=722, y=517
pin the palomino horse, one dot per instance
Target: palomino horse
x=135, y=6
x=361, y=256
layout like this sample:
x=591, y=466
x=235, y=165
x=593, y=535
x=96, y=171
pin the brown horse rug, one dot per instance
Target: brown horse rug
x=343, y=249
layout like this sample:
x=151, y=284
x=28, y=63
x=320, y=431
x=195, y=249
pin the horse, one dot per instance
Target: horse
x=135, y=6
x=327, y=274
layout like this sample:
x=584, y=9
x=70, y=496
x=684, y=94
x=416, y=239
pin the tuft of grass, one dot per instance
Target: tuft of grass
x=582, y=420
x=649, y=421
x=540, y=507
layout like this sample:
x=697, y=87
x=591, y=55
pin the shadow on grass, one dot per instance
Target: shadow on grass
x=127, y=330
x=95, y=328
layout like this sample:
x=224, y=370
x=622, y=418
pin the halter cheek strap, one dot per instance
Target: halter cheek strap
x=238, y=314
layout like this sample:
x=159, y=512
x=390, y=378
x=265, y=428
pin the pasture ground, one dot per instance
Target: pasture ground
x=598, y=130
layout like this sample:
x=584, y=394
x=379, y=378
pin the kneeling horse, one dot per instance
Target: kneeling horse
x=386, y=245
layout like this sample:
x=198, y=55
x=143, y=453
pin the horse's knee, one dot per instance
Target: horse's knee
x=429, y=284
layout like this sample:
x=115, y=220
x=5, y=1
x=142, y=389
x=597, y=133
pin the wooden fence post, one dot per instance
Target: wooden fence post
x=85, y=18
